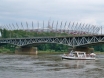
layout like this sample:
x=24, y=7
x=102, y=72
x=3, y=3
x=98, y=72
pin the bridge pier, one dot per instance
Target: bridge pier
x=84, y=49
x=26, y=50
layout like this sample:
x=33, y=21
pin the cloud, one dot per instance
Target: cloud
x=85, y=11
x=89, y=21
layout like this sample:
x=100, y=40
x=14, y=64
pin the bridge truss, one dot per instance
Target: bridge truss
x=70, y=41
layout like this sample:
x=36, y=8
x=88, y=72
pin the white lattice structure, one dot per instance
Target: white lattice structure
x=69, y=28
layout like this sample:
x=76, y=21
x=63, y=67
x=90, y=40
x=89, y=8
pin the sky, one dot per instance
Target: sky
x=81, y=11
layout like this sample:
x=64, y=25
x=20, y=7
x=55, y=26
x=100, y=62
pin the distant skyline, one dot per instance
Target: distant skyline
x=81, y=11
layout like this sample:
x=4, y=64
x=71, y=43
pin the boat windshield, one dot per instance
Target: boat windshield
x=79, y=54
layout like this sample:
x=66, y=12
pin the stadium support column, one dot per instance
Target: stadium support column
x=26, y=50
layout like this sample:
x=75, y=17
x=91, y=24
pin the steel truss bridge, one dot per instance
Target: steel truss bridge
x=75, y=30
x=70, y=41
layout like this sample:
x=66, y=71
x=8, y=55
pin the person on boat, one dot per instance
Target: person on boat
x=71, y=53
x=93, y=55
x=87, y=55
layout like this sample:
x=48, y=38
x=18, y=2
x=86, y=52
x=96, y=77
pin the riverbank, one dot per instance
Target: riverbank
x=6, y=51
x=59, y=52
x=50, y=52
x=99, y=53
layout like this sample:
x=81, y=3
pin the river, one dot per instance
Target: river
x=49, y=66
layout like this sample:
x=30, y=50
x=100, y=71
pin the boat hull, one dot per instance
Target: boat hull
x=77, y=58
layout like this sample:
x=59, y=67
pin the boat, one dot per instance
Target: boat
x=78, y=55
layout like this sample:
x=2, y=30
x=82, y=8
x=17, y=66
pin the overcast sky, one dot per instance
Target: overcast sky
x=82, y=11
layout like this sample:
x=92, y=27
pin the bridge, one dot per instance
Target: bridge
x=70, y=34
x=70, y=41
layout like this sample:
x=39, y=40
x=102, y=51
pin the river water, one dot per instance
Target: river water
x=49, y=66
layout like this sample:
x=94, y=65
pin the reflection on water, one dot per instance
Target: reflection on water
x=75, y=64
x=49, y=66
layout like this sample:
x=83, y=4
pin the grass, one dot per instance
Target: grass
x=60, y=52
x=50, y=52
x=99, y=53
x=5, y=50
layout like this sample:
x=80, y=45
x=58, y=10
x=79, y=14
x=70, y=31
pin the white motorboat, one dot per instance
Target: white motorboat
x=77, y=55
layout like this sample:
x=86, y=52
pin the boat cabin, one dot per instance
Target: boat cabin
x=79, y=54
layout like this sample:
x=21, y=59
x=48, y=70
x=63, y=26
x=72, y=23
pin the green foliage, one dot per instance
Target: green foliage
x=53, y=47
x=99, y=48
x=4, y=50
x=7, y=48
x=24, y=33
x=4, y=33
